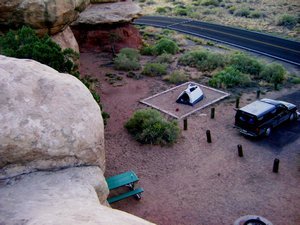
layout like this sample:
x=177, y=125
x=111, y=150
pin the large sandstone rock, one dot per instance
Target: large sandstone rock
x=104, y=38
x=109, y=13
x=67, y=197
x=46, y=16
x=48, y=120
x=66, y=39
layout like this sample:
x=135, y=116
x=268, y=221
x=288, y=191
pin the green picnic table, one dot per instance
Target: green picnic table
x=127, y=179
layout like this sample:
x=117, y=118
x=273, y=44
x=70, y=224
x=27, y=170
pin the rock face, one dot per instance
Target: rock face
x=109, y=13
x=104, y=38
x=66, y=39
x=46, y=16
x=70, y=196
x=48, y=120
x=102, y=27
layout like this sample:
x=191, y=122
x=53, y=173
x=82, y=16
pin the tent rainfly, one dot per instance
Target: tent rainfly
x=190, y=96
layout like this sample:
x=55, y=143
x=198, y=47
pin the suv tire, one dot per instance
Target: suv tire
x=293, y=116
x=268, y=131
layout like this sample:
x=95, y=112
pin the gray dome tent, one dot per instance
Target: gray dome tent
x=190, y=96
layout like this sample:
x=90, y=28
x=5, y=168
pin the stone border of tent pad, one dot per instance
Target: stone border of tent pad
x=166, y=101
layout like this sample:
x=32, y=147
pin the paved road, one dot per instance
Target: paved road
x=282, y=49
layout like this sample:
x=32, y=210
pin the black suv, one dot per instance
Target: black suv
x=260, y=117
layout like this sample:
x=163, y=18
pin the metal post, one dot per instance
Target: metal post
x=208, y=136
x=257, y=94
x=240, y=150
x=237, y=103
x=212, y=113
x=185, y=124
x=276, y=166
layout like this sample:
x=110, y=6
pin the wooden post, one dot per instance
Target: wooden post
x=276, y=166
x=237, y=103
x=185, y=124
x=212, y=113
x=208, y=136
x=257, y=94
x=240, y=150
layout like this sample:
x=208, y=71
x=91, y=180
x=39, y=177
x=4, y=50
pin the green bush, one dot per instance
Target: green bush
x=154, y=69
x=246, y=64
x=24, y=43
x=147, y=50
x=123, y=62
x=130, y=53
x=273, y=73
x=229, y=77
x=164, y=58
x=256, y=15
x=294, y=80
x=178, y=11
x=203, y=60
x=210, y=2
x=287, y=21
x=161, y=10
x=213, y=61
x=192, y=58
x=242, y=12
x=148, y=126
x=165, y=45
x=177, y=77
x=231, y=9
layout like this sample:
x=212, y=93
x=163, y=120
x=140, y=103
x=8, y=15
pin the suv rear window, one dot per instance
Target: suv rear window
x=245, y=118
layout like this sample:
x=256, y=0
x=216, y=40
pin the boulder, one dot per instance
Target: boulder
x=48, y=120
x=109, y=13
x=104, y=38
x=45, y=16
x=66, y=39
x=70, y=196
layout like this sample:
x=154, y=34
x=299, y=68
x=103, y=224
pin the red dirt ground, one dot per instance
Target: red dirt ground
x=193, y=182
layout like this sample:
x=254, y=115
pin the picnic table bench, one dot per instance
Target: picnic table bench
x=127, y=179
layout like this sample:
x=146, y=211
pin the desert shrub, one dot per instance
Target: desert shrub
x=192, y=58
x=164, y=58
x=176, y=77
x=123, y=62
x=273, y=73
x=166, y=45
x=161, y=10
x=210, y=2
x=203, y=60
x=243, y=12
x=231, y=9
x=246, y=64
x=256, y=15
x=24, y=43
x=229, y=77
x=154, y=69
x=130, y=53
x=147, y=50
x=294, y=79
x=127, y=59
x=287, y=21
x=213, y=61
x=90, y=83
x=147, y=126
x=179, y=11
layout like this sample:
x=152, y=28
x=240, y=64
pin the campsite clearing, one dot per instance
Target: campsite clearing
x=195, y=182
